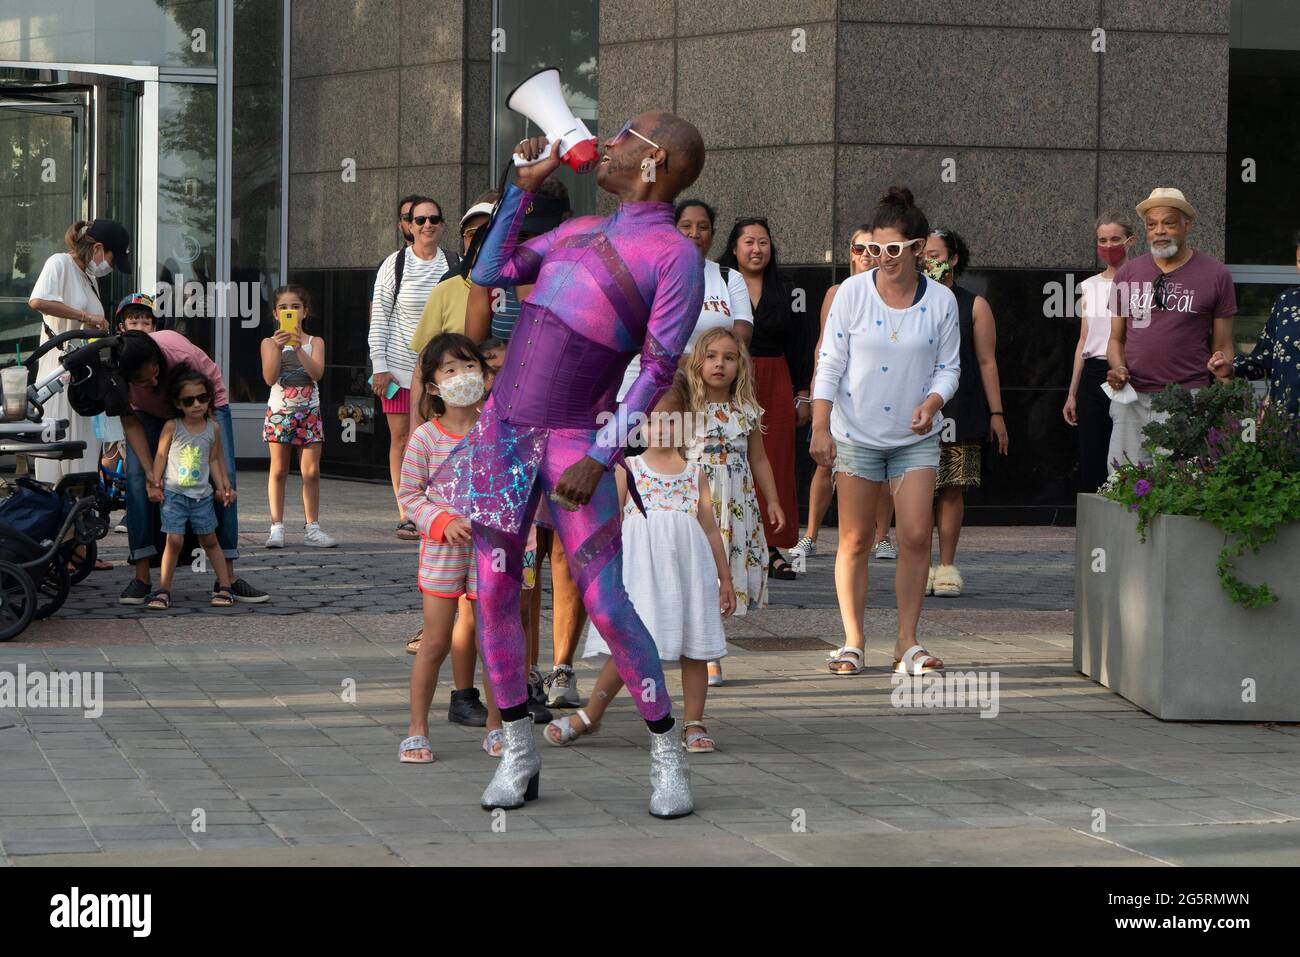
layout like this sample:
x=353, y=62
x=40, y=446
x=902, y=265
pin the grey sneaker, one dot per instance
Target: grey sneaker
x=563, y=688
x=314, y=537
x=135, y=593
x=276, y=538
x=243, y=592
x=885, y=551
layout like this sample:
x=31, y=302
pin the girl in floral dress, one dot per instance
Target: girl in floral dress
x=725, y=439
x=292, y=365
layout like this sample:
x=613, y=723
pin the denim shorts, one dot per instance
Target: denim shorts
x=177, y=509
x=877, y=465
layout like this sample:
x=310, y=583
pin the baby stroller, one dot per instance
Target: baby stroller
x=48, y=536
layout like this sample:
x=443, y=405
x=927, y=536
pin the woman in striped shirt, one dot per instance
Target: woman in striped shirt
x=394, y=316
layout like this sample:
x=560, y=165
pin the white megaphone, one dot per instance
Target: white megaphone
x=540, y=99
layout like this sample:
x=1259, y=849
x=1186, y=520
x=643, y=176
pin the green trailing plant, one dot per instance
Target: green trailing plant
x=1223, y=456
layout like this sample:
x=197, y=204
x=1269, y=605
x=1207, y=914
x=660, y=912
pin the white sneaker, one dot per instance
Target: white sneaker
x=313, y=536
x=563, y=685
x=119, y=528
x=805, y=548
x=276, y=538
x=885, y=550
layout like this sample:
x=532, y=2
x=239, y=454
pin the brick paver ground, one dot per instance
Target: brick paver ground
x=236, y=717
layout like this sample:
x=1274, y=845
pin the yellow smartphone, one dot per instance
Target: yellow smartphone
x=289, y=321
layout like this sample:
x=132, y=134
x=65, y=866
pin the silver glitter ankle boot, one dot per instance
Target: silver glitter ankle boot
x=517, y=775
x=670, y=776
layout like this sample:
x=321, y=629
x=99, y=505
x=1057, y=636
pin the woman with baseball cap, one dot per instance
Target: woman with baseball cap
x=67, y=296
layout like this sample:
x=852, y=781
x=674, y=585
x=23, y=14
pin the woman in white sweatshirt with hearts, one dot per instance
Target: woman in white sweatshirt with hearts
x=889, y=361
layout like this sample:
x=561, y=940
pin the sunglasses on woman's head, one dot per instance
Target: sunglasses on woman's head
x=421, y=220
x=893, y=250
x=189, y=400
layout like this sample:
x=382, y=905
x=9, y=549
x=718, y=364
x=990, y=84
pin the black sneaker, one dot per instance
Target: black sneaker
x=536, y=689
x=467, y=709
x=136, y=593
x=541, y=714
x=242, y=591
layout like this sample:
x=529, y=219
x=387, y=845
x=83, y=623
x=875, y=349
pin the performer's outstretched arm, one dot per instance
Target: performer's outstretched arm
x=502, y=261
x=678, y=297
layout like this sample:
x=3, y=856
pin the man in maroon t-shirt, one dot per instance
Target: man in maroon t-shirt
x=1170, y=309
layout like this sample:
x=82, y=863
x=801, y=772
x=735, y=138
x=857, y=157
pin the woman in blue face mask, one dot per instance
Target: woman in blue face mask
x=67, y=295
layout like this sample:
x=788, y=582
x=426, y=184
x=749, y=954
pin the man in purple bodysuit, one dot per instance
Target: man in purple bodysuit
x=606, y=289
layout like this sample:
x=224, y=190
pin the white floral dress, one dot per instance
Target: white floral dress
x=668, y=568
x=722, y=451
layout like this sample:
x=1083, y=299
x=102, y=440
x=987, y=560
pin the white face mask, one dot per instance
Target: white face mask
x=100, y=269
x=461, y=390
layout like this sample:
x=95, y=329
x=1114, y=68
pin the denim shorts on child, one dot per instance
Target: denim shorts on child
x=177, y=509
x=877, y=465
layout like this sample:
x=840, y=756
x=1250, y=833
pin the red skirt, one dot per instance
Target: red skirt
x=776, y=396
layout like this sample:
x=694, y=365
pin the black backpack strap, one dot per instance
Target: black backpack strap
x=726, y=273
x=453, y=264
x=398, y=268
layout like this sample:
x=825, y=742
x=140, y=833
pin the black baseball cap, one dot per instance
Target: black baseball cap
x=543, y=214
x=115, y=239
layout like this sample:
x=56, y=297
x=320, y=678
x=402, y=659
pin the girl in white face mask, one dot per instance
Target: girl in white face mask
x=451, y=368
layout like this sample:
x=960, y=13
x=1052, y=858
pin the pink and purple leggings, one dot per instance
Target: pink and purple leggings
x=593, y=540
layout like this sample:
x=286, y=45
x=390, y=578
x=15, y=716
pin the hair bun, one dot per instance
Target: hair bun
x=899, y=196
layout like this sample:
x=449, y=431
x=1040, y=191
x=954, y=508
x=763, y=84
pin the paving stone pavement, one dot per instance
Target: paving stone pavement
x=241, y=725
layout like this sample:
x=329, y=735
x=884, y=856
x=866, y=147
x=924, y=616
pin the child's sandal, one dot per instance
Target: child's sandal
x=697, y=742
x=495, y=743
x=159, y=601
x=565, y=735
x=222, y=598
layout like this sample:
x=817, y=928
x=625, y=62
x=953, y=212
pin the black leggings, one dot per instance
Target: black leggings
x=1093, y=408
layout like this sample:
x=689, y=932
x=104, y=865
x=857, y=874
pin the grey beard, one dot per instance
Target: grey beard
x=1166, y=251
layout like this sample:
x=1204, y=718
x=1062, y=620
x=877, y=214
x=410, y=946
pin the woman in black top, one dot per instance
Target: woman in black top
x=782, y=353
x=975, y=411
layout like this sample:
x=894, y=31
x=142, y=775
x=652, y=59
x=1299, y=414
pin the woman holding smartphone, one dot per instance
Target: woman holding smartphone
x=293, y=362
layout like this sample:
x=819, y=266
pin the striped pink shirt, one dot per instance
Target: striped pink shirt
x=445, y=570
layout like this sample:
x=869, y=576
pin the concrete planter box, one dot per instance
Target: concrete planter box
x=1158, y=628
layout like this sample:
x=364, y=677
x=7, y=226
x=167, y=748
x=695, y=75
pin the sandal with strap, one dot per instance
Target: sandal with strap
x=848, y=655
x=159, y=601
x=407, y=531
x=413, y=643
x=692, y=740
x=779, y=568
x=495, y=743
x=416, y=742
x=908, y=664
x=564, y=729
x=222, y=598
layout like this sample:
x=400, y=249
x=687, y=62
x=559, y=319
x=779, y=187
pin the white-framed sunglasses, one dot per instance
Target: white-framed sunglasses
x=893, y=250
x=627, y=128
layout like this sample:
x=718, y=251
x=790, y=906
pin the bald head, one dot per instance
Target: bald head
x=683, y=143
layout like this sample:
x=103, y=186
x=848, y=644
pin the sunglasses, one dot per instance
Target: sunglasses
x=893, y=250
x=421, y=220
x=859, y=249
x=622, y=135
x=189, y=400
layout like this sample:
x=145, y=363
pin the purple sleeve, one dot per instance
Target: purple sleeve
x=502, y=261
x=678, y=298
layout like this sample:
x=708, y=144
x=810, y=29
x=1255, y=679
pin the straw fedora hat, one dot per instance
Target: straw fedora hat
x=1166, y=196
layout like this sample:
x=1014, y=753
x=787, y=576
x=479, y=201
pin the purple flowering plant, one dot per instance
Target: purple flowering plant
x=1222, y=456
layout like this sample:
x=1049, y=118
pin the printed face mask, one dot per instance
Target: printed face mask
x=936, y=270
x=462, y=390
x=1112, y=255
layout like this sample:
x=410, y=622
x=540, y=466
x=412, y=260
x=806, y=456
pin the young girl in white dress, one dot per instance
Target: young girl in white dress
x=675, y=572
x=726, y=441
